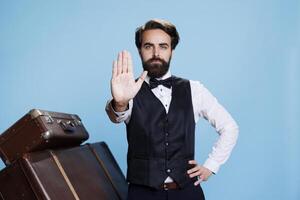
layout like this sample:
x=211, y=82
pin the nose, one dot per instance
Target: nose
x=156, y=52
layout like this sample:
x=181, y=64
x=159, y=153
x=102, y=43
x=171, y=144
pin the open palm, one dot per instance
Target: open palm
x=123, y=84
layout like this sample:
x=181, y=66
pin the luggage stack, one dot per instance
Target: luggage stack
x=45, y=160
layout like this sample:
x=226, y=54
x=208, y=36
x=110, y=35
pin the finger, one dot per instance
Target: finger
x=124, y=65
x=119, y=63
x=203, y=177
x=197, y=173
x=193, y=162
x=197, y=182
x=115, y=69
x=129, y=62
x=144, y=74
x=192, y=170
x=141, y=79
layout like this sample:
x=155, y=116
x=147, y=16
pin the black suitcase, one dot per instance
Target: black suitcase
x=88, y=172
x=39, y=130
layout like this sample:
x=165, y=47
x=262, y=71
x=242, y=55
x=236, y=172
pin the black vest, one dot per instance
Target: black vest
x=161, y=144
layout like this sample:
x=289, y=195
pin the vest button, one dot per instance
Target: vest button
x=167, y=143
x=168, y=170
x=167, y=134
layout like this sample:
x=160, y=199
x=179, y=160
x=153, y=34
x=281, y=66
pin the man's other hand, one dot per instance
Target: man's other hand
x=198, y=171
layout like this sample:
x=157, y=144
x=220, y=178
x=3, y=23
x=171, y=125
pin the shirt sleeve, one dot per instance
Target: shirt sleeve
x=207, y=106
x=118, y=117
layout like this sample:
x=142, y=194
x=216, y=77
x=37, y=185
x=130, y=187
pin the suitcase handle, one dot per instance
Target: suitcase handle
x=68, y=126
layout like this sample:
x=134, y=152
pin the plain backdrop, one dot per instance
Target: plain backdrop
x=57, y=56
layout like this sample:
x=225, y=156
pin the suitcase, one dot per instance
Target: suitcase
x=88, y=172
x=39, y=130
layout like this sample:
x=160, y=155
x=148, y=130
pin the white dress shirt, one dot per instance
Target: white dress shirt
x=206, y=106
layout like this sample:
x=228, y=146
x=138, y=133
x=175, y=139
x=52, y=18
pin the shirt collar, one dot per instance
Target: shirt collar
x=167, y=75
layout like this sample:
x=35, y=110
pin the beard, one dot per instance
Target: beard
x=156, y=67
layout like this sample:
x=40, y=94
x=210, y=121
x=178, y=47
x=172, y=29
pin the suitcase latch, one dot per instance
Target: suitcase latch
x=68, y=126
x=49, y=119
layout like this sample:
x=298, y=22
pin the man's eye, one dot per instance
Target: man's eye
x=164, y=47
x=147, y=47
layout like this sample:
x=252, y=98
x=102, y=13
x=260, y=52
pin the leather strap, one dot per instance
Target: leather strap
x=62, y=171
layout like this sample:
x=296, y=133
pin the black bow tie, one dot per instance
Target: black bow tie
x=153, y=83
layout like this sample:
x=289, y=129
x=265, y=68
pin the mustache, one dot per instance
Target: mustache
x=155, y=59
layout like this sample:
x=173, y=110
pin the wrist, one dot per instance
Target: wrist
x=119, y=106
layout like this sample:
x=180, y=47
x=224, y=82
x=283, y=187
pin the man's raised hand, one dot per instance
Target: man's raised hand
x=123, y=84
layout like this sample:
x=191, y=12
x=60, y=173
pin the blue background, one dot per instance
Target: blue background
x=57, y=55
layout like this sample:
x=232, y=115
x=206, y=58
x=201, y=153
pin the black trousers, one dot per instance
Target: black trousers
x=190, y=192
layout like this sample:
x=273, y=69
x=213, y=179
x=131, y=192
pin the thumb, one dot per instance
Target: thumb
x=141, y=79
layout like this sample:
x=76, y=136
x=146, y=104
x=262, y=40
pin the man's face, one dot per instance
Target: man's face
x=156, y=52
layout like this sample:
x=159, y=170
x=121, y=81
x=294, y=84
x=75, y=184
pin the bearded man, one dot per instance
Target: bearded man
x=160, y=111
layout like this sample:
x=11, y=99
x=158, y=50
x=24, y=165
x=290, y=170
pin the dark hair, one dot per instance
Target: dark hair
x=164, y=25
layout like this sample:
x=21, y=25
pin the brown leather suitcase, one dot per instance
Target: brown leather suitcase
x=88, y=172
x=39, y=130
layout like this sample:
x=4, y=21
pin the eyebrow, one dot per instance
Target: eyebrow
x=163, y=44
x=160, y=44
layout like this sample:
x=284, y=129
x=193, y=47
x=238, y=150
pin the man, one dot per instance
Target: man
x=160, y=112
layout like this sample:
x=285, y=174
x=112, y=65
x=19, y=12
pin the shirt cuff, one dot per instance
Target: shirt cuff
x=212, y=165
x=118, y=114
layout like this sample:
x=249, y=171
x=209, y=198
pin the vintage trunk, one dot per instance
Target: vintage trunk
x=88, y=172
